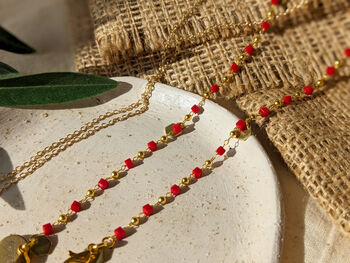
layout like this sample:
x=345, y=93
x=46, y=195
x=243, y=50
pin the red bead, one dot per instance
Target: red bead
x=220, y=151
x=197, y=172
x=214, y=88
x=129, y=163
x=103, y=184
x=330, y=71
x=241, y=125
x=287, y=99
x=347, y=52
x=234, y=68
x=147, y=209
x=75, y=206
x=177, y=128
x=249, y=49
x=119, y=233
x=48, y=229
x=265, y=25
x=175, y=189
x=195, y=109
x=275, y=2
x=152, y=146
x=264, y=112
x=308, y=90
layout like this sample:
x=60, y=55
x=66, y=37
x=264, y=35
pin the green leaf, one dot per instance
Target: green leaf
x=51, y=88
x=11, y=43
x=7, y=72
x=6, y=69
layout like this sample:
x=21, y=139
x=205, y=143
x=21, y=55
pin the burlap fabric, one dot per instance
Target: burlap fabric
x=312, y=135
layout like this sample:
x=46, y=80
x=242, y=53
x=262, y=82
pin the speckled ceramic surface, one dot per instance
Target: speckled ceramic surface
x=231, y=215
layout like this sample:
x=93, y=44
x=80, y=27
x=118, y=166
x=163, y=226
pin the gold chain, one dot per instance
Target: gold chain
x=90, y=128
x=134, y=109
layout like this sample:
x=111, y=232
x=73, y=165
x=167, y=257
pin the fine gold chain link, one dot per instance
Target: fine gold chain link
x=90, y=128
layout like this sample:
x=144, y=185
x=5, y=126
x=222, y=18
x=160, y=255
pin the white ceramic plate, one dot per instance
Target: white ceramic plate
x=231, y=215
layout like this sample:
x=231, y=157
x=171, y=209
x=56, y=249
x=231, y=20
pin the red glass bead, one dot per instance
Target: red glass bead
x=287, y=99
x=175, y=189
x=195, y=109
x=347, y=52
x=264, y=112
x=75, y=206
x=330, y=71
x=152, y=146
x=275, y=2
x=249, y=49
x=308, y=90
x=265, y=25
x=177, y=128
x=214, y=88
x=129, y=163
x=103, y=184
x=48, y=229
x=220, y=151
x=234, y=68
x=119, y=233
x=147, y=209
x=241, y=125
x=197, y=172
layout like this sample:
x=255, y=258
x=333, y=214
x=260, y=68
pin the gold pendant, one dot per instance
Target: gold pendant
x=90, y=255
x=9, y=249
x=16, y=249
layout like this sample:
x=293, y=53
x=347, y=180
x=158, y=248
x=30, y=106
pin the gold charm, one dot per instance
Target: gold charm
x=92, y=254
x=41, y=246
x=9, y=249
x=16, y=249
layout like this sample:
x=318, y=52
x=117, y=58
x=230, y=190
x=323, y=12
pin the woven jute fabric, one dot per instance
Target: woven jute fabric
x=312, y=134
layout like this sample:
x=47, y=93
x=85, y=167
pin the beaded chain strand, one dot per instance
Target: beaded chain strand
x=175, y=130
x=173, y=43
x=242, y=128
x=171, y=130
x=241, y=131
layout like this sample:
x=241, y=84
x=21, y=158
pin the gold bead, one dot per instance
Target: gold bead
x=162, y=200
x=90, y=193
x=270, y=14
x=63, y=218
x=277, y=103
x=141, y=154
x=320, y=83
x=252, y=117
x=337, y=64
x=297, y=94
x=208, y=163
x=226, y=79
x=188, y=117
x=135, y=221
x=164, y=139
x=242, y=57
x=206, y=95
x=256, y=40
x=185, y=180
x=115, y=175
x=235, y=134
